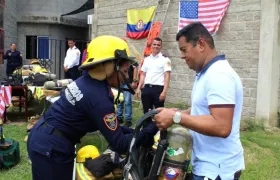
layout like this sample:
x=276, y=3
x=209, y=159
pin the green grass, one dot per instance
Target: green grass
x=22, y=171
x=262, y=151
x=262, y=155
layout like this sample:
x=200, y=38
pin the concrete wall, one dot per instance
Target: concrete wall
x=10, y=28
x=57, y=34
x=238, y=38
x=50, y=7
x=42, y=17
x=50, y=11
x=10, y=23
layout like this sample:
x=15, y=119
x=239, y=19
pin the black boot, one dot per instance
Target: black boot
x=128, y=124
x=120, y=120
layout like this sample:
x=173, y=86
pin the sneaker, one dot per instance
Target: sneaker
x=128, y=124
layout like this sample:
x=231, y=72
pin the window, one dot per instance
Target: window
x=37, y=47
x=2, y=5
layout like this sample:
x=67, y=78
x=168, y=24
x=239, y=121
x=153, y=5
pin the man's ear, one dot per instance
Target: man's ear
x=201, y=43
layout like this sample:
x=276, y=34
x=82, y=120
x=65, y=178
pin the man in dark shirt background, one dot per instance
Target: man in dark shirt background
x=126, y=105
x=14, y=59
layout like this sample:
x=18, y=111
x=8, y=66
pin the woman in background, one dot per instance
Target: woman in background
x=14, y=59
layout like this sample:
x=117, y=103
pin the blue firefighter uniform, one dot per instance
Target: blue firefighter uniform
x=86, y=105
x=14, y=60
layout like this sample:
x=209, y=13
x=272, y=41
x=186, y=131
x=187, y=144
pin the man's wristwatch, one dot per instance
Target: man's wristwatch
x=177, y=117
x=135, y=81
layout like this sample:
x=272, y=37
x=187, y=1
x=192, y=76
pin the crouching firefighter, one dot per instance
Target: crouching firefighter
x=86, y=105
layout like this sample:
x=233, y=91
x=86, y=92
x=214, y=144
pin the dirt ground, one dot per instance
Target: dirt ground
x=16, y=117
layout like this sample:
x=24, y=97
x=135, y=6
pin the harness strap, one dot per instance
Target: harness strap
x=131, y=160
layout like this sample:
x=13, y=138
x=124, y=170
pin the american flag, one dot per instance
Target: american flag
x=208, y=12
x=5, y=98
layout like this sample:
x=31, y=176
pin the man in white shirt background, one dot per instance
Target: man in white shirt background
x=155, y=78
x=72, y=61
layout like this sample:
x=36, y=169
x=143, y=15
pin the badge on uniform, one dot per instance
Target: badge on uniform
x=169, y=63
x=110, y=121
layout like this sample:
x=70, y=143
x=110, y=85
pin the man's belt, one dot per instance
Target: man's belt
x=151, y=85
x=57, y=132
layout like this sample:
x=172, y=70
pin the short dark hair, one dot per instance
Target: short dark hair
x=193, y=32
x=71, y=39
x=157, y=39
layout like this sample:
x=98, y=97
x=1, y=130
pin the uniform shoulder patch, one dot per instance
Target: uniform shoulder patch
x=169, y=63
x=110, y=121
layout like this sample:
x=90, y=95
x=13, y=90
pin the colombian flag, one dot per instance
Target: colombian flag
x=139, y=22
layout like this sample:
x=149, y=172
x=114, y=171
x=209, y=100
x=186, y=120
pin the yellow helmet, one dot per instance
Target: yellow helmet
x=106, y=48
x=34, y=61
x=86, y=152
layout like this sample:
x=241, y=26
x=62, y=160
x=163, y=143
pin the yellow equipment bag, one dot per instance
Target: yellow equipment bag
x=82, y=173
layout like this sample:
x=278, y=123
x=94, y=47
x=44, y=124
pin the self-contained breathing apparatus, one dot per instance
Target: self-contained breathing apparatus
x=140, y=162
x=168, y=160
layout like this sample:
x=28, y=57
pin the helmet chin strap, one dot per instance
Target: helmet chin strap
x=130, y=89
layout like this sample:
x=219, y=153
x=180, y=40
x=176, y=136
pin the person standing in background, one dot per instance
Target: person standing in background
x=14, y=59
x=127, y=103
x=84, y=57
x=154, y=78
x=72, y=61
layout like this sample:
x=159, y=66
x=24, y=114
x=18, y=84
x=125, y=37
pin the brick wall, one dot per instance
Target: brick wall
x=238, y=38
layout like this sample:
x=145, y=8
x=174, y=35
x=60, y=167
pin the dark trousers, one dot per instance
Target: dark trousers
x=150, y=97
x=72, y=73
x=10, y=70
x=236, y=176
x=52, y=156
x=195, y=177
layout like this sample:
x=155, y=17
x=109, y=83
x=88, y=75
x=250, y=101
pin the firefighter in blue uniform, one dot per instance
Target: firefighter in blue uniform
x=86, y=105
x=14, y=59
